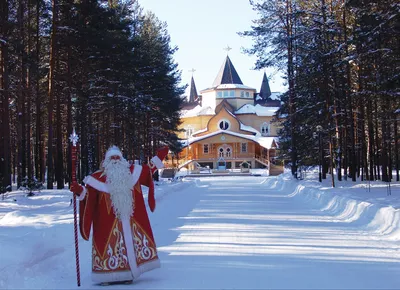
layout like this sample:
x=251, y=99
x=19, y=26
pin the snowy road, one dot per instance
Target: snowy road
x=246, y=233
x=214, y=233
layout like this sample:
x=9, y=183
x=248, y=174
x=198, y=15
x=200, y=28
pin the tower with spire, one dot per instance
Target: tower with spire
x=264, y=97
x=228, y=86
x=193, y=97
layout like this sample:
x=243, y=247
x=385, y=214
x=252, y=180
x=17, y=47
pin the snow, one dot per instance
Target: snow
x=275, y=95
x=248, y=128
x=250, y=232
x=258, y=110
x=265, y=142
x=234, y=86
x=197, y=111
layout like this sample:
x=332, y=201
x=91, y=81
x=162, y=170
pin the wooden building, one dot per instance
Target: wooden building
x=229, y=126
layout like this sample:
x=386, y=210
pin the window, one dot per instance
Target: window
x=225, y=94
x=224, y=125
x=242, y=94
x=247, y=95
x=205, y=148
x=225, y=151
x=243, y=148
x=265, y=129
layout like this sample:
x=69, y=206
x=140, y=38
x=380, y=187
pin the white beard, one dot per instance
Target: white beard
x=120, y=183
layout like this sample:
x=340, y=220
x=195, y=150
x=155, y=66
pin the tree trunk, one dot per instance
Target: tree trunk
x=28, y=98
x=39, y=157
x=21, y=108
x=290, y=72
x=50, y=170
x=5, y=153
x=59, y=164
x=396, y=148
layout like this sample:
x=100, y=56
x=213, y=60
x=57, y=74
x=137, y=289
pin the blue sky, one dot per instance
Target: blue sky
x=202, y=29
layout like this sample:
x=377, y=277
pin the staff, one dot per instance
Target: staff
x=74, y=139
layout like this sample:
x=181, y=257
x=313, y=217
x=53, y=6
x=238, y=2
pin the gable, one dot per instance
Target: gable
x=225, y=104
x=225, y=137
x=223, y=115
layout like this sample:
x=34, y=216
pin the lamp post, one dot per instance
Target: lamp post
x=319, y=131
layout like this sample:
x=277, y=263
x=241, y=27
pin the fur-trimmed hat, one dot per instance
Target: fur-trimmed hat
x=113, y=151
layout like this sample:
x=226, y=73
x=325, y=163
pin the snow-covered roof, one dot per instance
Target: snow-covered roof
x=248, y=128
x=234, y=86
x=258, y=110
x=197, y=111
x=200, y=131
x=275, y=96
x=265, y=142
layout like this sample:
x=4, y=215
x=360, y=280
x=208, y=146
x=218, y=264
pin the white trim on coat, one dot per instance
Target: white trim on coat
x=96, y=184
x=109, y=277
x=130, y=249
x=82, y=195
x=137, y=169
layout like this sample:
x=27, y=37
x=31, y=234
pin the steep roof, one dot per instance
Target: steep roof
x=227, y=74
x=265, y=90
x=257, y=110
x=193, y=97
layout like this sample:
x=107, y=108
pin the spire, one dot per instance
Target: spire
x=193, y=92
x=265, y=90
x=227, y=74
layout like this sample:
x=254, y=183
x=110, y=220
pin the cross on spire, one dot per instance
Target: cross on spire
x=227, y=48
x=192, y=71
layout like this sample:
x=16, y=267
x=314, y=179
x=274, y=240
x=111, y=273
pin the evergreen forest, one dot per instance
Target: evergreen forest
x=341, y=60
x=103, y=68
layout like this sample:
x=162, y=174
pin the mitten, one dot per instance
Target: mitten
x=76, y=188
x=156, y=161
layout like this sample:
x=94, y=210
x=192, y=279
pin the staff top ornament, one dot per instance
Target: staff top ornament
x=73, y=138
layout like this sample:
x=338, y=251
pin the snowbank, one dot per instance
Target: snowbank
x=360, y=204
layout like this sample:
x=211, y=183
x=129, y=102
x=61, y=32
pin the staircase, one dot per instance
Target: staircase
x=262, y=161
x=275, y=169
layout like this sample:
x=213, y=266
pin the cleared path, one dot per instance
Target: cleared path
x=246, y=233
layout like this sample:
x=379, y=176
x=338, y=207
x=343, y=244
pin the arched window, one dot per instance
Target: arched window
x=264, y=129
x=224, y=125
x=225, y=151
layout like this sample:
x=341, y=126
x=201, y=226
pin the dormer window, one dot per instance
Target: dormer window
x=224, y=124
x=265, y=129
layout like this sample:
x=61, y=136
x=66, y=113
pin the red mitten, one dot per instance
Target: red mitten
x=152, y=202
x=76, y=188
x=156, y=161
